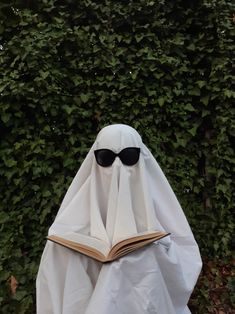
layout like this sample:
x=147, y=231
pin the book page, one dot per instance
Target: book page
x=91, y=242
x=130, y=244
x=139, y=236
x=131, y=247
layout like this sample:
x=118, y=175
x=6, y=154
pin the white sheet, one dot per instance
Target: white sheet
x=109, y=203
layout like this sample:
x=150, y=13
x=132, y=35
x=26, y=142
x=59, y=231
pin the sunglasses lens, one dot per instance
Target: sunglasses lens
x=104, y=157
x=130, y=156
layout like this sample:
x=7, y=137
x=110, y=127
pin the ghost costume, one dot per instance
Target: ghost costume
x=112, y=202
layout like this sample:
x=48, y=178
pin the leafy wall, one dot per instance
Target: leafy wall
x=68, y=68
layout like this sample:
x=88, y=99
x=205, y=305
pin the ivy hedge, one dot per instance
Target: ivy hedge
x=68, y=68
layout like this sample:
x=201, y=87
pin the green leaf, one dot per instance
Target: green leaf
x=5, y=117
x=46, y=193
x=205, y=100
x=229, y=93
x=201, y=83
x=161, y=101
x=10, y=162
x=195, y=91
x=189, y=107
x=139, y=37
x=193, y=130
x=68, y=109
x=44, y=74
x=84, y=97
x=191, y=47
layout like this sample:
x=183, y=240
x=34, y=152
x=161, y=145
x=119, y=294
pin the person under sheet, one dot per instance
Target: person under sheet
x=119, y=191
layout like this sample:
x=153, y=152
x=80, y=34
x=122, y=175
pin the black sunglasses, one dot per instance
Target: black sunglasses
x=129, y=156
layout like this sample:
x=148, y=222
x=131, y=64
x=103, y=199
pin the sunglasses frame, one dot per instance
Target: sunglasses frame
x=137, y=149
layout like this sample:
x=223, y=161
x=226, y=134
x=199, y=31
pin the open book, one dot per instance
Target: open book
x=103, y=251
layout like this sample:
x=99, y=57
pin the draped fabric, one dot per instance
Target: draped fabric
x=110, y=203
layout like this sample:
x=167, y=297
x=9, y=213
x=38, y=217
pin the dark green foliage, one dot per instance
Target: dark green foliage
x=68, y=68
